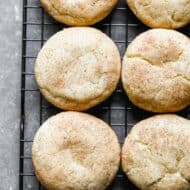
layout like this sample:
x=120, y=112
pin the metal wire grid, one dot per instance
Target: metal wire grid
x=118, y=112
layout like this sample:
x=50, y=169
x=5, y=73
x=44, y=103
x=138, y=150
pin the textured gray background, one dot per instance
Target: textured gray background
x=10, y=56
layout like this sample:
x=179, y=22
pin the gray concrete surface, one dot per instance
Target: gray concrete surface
x=10, y=64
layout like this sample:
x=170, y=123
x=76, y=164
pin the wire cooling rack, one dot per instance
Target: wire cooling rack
x=118, y=112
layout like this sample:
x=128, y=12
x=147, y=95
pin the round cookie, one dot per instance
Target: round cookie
x=161, y=13
x=156, y=71
x=156, y=153
x=78, y=68
x=79, y=12
x=75, y=151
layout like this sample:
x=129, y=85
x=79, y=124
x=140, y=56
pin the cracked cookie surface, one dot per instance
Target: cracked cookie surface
x=156, y=71
x=162, y=13
x=78, y=68
x=77, y=151
x=156, y=154
x=79, y=12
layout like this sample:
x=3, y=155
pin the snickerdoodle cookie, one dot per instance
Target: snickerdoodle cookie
x=156, y=71
x=78, y=68
x=156, y=153
x=162, y=13
x=77, y=151
x=79, y=12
